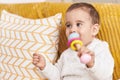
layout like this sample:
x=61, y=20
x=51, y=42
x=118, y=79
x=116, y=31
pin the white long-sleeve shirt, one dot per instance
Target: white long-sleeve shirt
x=69, y=66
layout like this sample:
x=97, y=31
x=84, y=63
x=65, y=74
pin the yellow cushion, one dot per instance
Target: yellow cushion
x=25, y=10
x=20, y=38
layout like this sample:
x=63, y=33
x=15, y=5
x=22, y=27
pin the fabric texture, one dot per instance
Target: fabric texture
x=29, y=10
x=64, y=69
x=20, y=38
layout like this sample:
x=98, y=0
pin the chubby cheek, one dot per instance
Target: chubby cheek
x=82, y=37
x=82, y=34
x=85, y=37
x=84, y=41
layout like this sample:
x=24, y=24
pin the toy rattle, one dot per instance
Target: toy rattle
x=75, y=43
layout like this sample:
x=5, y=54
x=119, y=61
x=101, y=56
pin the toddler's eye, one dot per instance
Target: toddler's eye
x=78, y=24
x=68, y=25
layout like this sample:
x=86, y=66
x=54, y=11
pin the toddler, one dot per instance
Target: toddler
x=81, y=18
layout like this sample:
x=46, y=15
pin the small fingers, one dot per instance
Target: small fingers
x=91, y=53
x=82, y=50
x=35, y=58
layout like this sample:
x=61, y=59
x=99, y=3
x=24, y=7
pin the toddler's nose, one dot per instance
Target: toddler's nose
x=73, y=30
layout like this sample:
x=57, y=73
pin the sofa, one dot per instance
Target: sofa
x=109, y=28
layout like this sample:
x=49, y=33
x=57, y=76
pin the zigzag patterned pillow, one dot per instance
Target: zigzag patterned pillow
x=20, y=38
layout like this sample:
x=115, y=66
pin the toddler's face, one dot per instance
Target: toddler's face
x=80, y=21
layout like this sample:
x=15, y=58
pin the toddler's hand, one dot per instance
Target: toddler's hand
x=39, y=61
x=83, y=50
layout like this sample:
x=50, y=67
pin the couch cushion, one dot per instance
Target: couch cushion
x=28, y=10
x=20, y=38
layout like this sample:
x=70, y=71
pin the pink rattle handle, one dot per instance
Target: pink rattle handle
x=75, y=43
x=85, y=58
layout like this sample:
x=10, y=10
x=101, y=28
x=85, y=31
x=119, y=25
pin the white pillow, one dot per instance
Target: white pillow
x=20, y=38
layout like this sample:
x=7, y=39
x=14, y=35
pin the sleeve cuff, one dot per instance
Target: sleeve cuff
x=46, y=71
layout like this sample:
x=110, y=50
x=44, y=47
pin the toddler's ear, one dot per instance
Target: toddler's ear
x=95, y=29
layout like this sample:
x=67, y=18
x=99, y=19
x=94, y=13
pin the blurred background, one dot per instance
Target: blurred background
x=29, y=1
